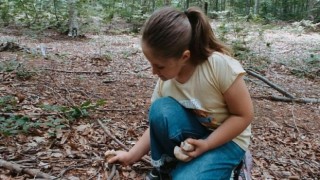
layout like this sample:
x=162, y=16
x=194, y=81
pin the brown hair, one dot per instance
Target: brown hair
x=170, y=32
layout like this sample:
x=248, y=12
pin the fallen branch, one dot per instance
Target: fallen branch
x=20, y=169
x=103, y=110
x=113, y=172
x=71, y=167
x=106, y=130
x=274, y=86
x=28, y=114
x=9, y=46
x=298, y=100
x=78, y=72
x=143, y=69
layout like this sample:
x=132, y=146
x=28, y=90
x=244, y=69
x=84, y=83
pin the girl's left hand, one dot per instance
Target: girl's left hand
x=200, y=146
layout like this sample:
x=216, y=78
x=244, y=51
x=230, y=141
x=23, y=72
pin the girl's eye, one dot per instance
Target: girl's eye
x=160, y=67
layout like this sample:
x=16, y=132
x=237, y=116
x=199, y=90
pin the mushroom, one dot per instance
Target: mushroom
x=109, y=154
x=186, y=146
x=179, y=152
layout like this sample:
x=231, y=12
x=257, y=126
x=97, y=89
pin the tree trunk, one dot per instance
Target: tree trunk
x=187, y=4
x=167, y=2
x=217, y=5
x=73, y=19
x=247, y=7
x=285, y=8
x=223, y=5
x=205, y=8
x=153, y=5
x=256, y=7
x=310, y=4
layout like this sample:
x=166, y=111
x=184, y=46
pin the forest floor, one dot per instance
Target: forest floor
x=46, y=95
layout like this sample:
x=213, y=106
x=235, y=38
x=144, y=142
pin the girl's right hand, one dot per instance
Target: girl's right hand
x=123, y=157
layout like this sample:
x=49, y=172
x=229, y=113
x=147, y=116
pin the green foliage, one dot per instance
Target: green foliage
x=4, y=13
x=9, y=66
x=42, y=14
x=14, y=125
x=11, y=124
x=238, y=27
x=7, y=103
x=305, y=25
x=23, y=73
x=74, y=112
x=222, y=31
x=310, y=67
x=80, y=111
x=37, y=15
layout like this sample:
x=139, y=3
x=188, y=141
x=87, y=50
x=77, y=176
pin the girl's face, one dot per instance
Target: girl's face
x=165, y=68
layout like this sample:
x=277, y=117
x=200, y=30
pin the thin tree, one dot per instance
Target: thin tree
x=73, y=19
x=256, y=7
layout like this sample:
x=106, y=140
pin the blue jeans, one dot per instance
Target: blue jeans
x=170, y=124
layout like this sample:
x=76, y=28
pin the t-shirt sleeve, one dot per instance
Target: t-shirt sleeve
x=226, y=70
x=156, y=92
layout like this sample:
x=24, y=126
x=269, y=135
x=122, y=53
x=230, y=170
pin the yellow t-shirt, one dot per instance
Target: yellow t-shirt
x=203, y=92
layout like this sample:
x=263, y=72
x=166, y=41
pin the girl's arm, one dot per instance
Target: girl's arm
x=141, y=148
x=240, y=106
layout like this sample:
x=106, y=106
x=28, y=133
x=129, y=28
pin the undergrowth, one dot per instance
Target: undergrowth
x=52, y=118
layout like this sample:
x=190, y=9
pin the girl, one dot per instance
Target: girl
x=200, y=98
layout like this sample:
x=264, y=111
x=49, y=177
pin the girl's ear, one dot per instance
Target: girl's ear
x=185, y=56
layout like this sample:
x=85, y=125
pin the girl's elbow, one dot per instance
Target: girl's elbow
x=250, y=116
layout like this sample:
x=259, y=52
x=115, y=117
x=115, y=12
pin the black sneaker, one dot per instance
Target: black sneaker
x=154, y=174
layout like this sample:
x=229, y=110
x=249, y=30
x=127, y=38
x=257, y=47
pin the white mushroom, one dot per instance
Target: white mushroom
x=186, y=146
x=180, y=154
x=109, y=154
x=179, y=151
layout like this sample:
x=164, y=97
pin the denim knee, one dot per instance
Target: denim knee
x=161, y=109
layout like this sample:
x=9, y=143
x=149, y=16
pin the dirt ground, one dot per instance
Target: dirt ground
x=111, y=67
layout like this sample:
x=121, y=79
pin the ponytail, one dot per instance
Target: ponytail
x=169, y=32
x=203, y=41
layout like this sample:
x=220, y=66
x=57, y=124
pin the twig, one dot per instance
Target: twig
x=106, y=130
x=116, y=110
x=117, y=175
x=95, y=174
x=55, y=93
x=18, y=168
x=29, y=114
x=78, y=72
x=294, y=118
x=274, y=86
x=143, y=69
x=298, y=100
x=285, y=99
x=68, y=96
x=71, y=167
x=113, y=172
x=27, y=161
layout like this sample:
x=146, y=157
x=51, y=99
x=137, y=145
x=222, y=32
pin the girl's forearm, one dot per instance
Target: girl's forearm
x=142, y=147
x=230, y=129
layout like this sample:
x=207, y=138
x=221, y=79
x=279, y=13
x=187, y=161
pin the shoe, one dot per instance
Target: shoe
x=154, y=174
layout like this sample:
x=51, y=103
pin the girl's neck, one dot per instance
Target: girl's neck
x=185, y=73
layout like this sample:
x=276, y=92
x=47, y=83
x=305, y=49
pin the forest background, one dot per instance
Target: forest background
x=75, y=84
